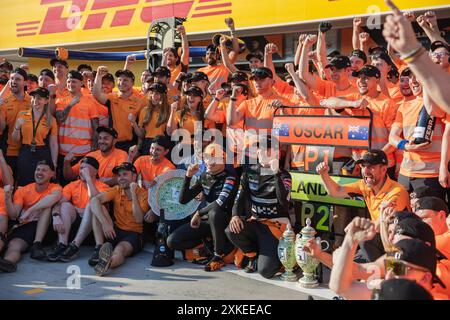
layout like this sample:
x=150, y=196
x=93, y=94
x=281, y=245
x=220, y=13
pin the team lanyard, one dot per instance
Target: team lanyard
x=33, y=141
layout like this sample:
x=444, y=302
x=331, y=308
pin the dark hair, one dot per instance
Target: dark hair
x=164, y=111
x=175, y=53
x=200, y=110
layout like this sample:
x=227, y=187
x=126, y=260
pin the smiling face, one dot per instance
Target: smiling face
x=405, y=88
x=38, y=102
x=17, y=83
x=367, y=84
x=74, y=86
x=193, y=101
x=339, y=74
x=382, y=65
x=44, y=81
x=211, y=57
x=415, y=85
x=60, y=71
x=373, y=174
x=105, y=142
x=440, y=56
x=43, y=174
x=356, y=63
x=263, y=85
x=124, y=84
x=124, y=178
x=157, y=152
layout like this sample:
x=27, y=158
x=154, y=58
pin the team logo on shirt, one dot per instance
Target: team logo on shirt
x=358, y=133
x=281, y=129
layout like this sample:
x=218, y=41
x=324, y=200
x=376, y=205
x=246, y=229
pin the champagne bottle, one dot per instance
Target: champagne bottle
x=424, y=127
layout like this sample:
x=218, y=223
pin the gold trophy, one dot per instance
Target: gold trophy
x=286, y=254
x=306, y=262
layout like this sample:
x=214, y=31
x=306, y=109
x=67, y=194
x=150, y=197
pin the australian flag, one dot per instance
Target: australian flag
x=358, y=133
x=281, y=129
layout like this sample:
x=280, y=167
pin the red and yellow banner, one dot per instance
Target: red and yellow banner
x=34, y=23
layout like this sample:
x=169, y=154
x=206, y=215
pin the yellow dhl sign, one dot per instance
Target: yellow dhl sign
x=35, y=23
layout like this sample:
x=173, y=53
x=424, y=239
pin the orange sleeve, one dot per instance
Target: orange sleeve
x=354, y=187
x=67, y=191
x=101, y=186
x=93, y=110
x=54, y=128
x=398, y=119
x=76, y=168
x=141, y=117
x=60, y=104
x=18, y=197
x=243, y=107
x=137, y=164
x=143, y=200
x=2, y=203
x=390, y=116
x=110, y=194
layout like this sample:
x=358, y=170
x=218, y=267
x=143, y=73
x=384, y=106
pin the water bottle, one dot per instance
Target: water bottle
x=424, y=127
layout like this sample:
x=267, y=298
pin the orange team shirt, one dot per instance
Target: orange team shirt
x=217, y=75
x=149, y=170
x=394, y=91
x=327, y=89
x=282, y=87
x=189, y=121
x=85, y=91
x=103, y=115
x=62, y=93
x=107, y=164
x=9, y=111
x=423, y=163
x=76, y=192
x=123, y=210
x=42, y=131
x=443, y=243
x=76, y=132
x=121, y=108
x=384, y=110
x=3, y=211
x=391, y=191
x=151, y=130
x=443, y=272
x=27, y=196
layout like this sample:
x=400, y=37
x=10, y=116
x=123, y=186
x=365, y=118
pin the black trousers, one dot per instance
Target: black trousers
x=257, y=237
x=186, y=237
x=412, y=184
x=125, y=145
x=27, y=163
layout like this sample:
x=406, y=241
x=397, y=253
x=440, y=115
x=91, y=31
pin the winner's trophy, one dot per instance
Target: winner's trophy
x=306, y=262
x=286, y=254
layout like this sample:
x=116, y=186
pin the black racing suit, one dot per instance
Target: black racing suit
x=220, y=191
x=268, y=198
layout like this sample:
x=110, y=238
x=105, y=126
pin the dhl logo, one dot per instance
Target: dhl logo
x=67, y=15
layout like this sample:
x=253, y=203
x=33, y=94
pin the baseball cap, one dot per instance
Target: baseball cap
x=40, y=92
x=161, y=72
x=256, y=55
x=369, y=71
x=360, y=54
x=126, y=73
x=238, y=76
x=74, y=74
x=6, y=64
x=406, y=72
x=162, y=141
x=425, y=191
x=439, y=44
x=333, y=53
x=196, y=91
x=432, y=203
x=419, y=253
x=416, y=229
x=84, y=66
x=109, y=130
x=22, y=72
x=158, y=87
x=48, y=73
x=261, y=73
x=383, y=56
x=55, y=61
x=339, y=62
x=374, y=157
x=401, y=289
x=198, y=76
x=91, y=161
x=374, y=50
x=124, y=166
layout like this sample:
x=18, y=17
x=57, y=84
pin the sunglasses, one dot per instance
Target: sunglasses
x=400, y=268
x=439, y=55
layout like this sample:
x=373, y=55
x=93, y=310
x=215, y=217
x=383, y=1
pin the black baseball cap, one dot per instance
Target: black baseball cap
x=374, y=157
x=425, y=191
x=360, y=54
x=416, y=229
x=406, y=72
x=55, y=61
x=91, y=161
x=256, y=55
x=340, y=62
x=374, y=50
x=161, y=72
x=439, y=44
x=419, y=253
x=84, y=66
x=383, y=56
x=48, y=73
x=126, y=73
x=401, y=289
x=333, y=53
x=238, y=76
x=109, y=130
x=40, y=92
x=261, y=73
x=162, y=141
x=6, y=64
x=74, y=74
x=22, y=72
x=33, y=77
x=196, y=91
x=369, y=71
x=158, y=87
x=125, y=166
x=198, y=76
x=432, y=203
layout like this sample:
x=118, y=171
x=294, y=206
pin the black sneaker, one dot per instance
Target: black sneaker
x=56, y=252
x=7, y=266
x=215, y=264
x=104, y=261
x=38, y=252
x=95, y=256
x=251, y=266
x=72, y=252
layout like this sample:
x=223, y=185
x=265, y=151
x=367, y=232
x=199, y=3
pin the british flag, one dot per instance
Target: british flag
x=358, y=133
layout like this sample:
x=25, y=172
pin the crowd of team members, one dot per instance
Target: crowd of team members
x=106, y=147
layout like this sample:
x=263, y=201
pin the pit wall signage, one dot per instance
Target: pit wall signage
x=35, y=23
